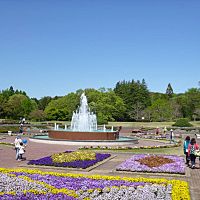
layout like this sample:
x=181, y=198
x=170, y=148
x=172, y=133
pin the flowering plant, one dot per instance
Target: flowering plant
x=36, y=184
x=73, y=156
x=153, y=163
x=63, y=161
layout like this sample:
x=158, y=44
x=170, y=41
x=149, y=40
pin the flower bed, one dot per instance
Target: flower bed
x=176, y=144
x=35, y=184
x=83, y=164
x=6, y=143
x=153, y=163
x=73, y=156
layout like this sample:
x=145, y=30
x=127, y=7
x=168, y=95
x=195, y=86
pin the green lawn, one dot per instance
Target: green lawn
x=127, y=124
x=169, y=151
x=148, y=124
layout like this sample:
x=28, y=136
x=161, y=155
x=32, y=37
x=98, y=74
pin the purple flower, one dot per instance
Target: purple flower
x=29, y=195
x=132, y=164
x=47, y=161
x=78, y=183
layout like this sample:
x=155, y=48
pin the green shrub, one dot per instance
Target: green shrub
x=101, y=119
x=182, y=122
x=5, y=129
x=9, y=121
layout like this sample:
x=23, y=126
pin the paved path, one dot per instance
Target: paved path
x=37, y=150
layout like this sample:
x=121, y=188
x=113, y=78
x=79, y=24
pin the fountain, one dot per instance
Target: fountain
x=83, y=119
x=83, y=130
x=83, y=126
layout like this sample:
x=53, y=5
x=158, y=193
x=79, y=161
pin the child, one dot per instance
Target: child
x=21, y=150
x=185, y=149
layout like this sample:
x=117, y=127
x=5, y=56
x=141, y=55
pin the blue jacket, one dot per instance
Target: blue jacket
x=185, y=146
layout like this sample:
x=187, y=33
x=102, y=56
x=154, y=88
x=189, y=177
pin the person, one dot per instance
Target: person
x=24, y=142
x=21, y=129
x=17, y=146
x=171, y=136
x=193, y=146
x=157, y=131
x=21, y=150
x=185, y=149
x=165, y=130
x=28, y=131
x=117, y=132
x=23, y=121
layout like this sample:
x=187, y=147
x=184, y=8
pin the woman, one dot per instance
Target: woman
x=185, y=149
x=17, y=145
x=193, y=146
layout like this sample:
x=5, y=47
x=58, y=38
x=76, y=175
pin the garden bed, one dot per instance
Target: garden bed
x=60, y=160
x=35, y=184
x=153, y=163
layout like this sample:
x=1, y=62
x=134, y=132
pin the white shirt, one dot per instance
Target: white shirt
x=21, y=150
x=17, y=142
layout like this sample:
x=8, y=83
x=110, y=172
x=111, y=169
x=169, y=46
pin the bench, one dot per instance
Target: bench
x=197, y=136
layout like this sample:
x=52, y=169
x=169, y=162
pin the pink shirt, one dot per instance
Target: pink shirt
x=196, y=147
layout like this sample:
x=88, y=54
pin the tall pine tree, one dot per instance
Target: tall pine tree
x=169, y=91
x=135, y=96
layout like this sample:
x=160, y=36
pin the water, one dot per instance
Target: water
x=46, y=137
x=83, y=119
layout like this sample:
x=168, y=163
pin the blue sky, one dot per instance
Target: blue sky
x=53, y=47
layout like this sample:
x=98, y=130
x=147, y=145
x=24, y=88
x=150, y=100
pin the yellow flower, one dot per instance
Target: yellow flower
x=180, y=189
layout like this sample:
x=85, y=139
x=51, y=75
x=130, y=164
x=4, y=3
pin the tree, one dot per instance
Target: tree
x=62, y=108
x=196, y=114
x=176, y=108
x=106, y=104
x=43, y=102
x=2, y=104
x=147, y=114
x=161, y=110
x=136, y=112
x=169, y=90
x=135, y=95
x=37, y=115
x=192, y=101
x=11, y=90
x=18, y=106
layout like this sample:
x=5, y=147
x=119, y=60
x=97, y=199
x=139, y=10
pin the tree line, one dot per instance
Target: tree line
x=128, y=101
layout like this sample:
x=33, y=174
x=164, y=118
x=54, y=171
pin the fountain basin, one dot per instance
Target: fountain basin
x=79, y=135
x=121, y=141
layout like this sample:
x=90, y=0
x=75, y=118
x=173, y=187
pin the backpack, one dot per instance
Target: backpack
x=192, y=150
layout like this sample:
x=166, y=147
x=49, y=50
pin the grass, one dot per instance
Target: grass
x=149, y=124
x=50, y=122
x=168, y=151
x=126, y=124
x=163, y=140
x=141, y=124
x=195, y=123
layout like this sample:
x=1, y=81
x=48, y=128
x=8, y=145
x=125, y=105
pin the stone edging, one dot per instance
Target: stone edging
x=187, y=173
